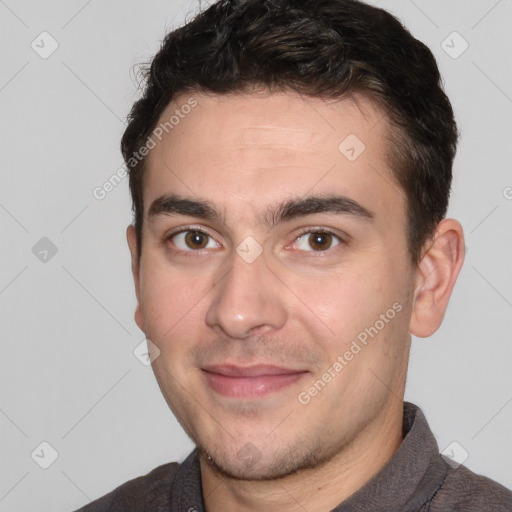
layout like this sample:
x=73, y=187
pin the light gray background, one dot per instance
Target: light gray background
x=68, y=375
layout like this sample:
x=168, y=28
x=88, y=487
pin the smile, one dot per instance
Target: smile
x=250, y=382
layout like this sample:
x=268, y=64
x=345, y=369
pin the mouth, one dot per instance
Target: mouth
x=250, y=381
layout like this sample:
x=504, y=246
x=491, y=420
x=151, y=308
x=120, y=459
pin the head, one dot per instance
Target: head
x=290, y=169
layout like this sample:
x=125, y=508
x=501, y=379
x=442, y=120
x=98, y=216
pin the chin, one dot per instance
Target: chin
x=249, y=463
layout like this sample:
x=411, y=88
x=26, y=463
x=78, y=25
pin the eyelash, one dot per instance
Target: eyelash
x=303, y=232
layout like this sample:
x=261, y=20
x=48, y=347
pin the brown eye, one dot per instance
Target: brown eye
x=317, y=241
x=320, y=241
x=196, y=239
x=191, y=240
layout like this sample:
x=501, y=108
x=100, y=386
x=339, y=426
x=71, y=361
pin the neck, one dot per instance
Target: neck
x=317, y=489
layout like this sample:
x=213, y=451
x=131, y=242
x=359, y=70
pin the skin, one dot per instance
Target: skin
x=293, y=305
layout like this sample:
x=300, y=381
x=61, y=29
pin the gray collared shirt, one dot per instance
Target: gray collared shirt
x=416, y=479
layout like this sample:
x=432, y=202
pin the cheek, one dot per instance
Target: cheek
x=342, y=300
x=171, y=302
x=349, y=301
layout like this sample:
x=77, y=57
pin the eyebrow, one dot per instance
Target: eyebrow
x=173, y=204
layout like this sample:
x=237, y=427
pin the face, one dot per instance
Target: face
x=275, y=279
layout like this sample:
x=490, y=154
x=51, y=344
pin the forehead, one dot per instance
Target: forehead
x=249, y=150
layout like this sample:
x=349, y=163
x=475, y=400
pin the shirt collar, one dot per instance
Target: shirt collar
x=410, y=478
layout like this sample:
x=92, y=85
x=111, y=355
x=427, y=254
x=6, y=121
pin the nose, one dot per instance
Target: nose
x=249, y=300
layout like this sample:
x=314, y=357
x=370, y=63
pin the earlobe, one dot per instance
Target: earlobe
x=436, y=275
x=131, y=237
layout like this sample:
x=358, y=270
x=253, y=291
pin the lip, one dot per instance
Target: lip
x=250, y=381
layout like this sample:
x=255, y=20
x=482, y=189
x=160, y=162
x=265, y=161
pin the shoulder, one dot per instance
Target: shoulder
x=134, y=495
x=466, y=491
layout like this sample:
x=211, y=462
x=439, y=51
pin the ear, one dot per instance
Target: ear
x=435, y=277
x=131, y=237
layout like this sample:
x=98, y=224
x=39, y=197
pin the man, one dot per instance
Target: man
x=290, y=168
